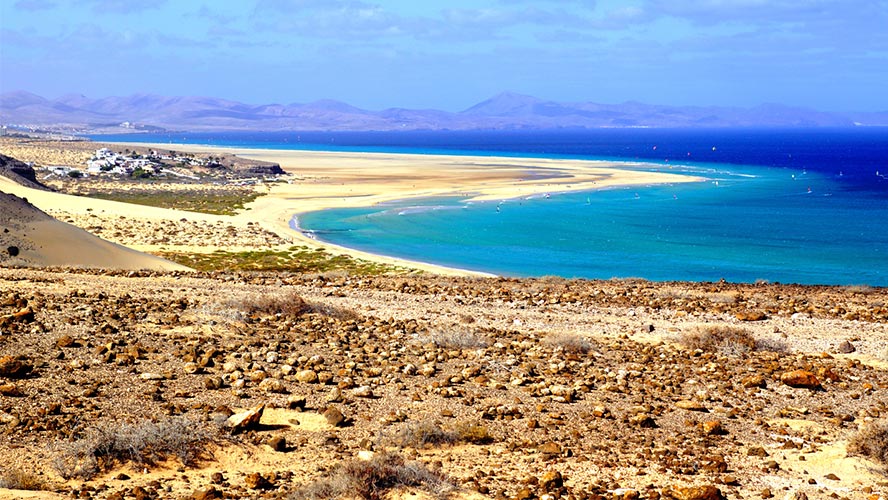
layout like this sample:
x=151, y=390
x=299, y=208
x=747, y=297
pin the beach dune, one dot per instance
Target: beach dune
x=30, y=237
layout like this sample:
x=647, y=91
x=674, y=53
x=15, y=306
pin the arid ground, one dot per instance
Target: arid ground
x=277, y=371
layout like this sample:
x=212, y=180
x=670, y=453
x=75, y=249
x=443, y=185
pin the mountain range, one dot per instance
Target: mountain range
x=504, y=111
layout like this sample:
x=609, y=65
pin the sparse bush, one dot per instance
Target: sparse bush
x=724, y=339
x=287, y=304
x=862, y=289
x=569, y=342
x=424, y=434
x=331, y=311
x=457, y=339
x=473, y=433
x=21, y=480
x=372, y=479
x=429, y=434
x=143, y=443
x=871, y=442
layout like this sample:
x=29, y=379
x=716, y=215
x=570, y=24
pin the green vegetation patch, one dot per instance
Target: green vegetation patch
x=223, y=202
x=298, y=259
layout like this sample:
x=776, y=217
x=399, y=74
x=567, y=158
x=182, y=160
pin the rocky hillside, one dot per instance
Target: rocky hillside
x=144, y=385
x=19, y=172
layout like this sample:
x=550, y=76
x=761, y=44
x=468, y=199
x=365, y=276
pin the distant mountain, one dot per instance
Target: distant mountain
x=504, y=111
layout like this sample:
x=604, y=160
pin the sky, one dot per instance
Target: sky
x=830, y=55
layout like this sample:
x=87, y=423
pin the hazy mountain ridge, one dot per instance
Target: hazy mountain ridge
x=504, y=111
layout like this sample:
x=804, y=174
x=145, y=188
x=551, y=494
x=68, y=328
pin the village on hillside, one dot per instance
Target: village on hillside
x=132, y=164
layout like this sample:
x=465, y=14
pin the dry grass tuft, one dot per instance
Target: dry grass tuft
x=372, y=479
x=423, y=434
x=430, y=434
x=871, y=442
x=286, y=304
x=144, y=443
x=456, y=339
x=724, y=339
x=22, y=480
x=570, y=342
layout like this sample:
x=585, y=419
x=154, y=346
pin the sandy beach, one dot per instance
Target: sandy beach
x=323, y=180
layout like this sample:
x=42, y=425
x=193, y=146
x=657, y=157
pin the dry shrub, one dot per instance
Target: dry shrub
x=288, y=304
x=729, y=340
x=372, y=479
x=457, y=339
x=871, y=442
x=570, y=342
x=473, y=433
x=429, y=434
x=861, y=289
x=331, y=311
x=144, y=443
x=285, y=304
x=423, y=434
x=14, y=479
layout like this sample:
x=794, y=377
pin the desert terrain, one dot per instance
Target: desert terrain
x=244, y=380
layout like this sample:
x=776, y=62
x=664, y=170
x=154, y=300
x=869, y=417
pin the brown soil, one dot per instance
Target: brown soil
x=524, y=378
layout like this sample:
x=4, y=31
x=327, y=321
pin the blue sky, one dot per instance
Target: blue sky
x=830, y=55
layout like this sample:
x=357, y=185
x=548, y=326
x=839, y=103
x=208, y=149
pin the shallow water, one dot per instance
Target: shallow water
x=782, y=206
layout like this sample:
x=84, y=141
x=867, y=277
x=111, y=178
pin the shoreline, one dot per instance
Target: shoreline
x=321, y=180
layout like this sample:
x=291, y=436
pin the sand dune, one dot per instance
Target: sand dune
x=32, y=238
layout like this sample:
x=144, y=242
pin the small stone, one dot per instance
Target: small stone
x=307, y=376
x=643, y=420
x=244, y=420
x=766, y=493
x=191, y=368
x=524, y=494
x=272, y=385
x=551, y=480
x=151, y=376
x=751, y=316
x=277, y=443
x=756, y=451
x=832, y=477
x=689, y=405
x=334, y=416
x=256, y=481
x=122, y=477
x=845, y=347
x=550, y=448
x=696, y=493
x=295, y=402
x=800, y=379
x=217, y=478
x=65, y=341
x=712, y=428
x=14, y=368
x=363, y=392
x=10, y=390
x=752, y=381
x=212, y=383
x=209, y=493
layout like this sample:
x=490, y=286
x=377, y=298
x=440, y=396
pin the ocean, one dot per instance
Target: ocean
x=806, y=206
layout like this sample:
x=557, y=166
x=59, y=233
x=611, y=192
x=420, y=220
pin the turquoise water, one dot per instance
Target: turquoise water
x=746, y=223
x=743, y=224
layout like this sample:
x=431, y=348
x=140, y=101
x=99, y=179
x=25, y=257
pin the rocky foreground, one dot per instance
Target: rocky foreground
x=228, y=385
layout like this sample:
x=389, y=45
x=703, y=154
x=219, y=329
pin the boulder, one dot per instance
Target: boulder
x=800, y=379
x=242, y=421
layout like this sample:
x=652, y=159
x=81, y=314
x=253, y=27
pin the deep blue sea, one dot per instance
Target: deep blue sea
x=781, y=205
